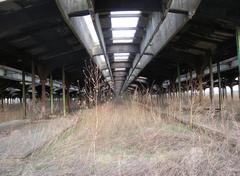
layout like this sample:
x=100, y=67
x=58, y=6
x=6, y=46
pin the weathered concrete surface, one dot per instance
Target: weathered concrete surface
x=7, y=127
x=22, y=141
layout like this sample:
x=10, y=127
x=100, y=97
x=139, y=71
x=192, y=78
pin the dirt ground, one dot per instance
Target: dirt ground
x=127, y=140
x=19, y=138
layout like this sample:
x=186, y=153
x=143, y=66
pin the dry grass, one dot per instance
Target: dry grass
x=11, y=112
x=126, y=139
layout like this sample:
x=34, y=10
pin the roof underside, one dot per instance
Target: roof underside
x=211, y=31
x=36, y=31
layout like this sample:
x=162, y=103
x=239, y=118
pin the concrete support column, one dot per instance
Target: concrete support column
x=219, y=86
x=33, y=87
x=63, y=92
x=51, y=94
x=24, y=94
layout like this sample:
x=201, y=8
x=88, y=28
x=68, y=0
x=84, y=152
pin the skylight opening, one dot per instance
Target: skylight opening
x=120, y=69
x=125, y=12
x=108, y=78
x=124, y=27
x=91, y=29
x=123, y=33
x=122, y=40
x=121, y=58
x=102, y=58
x=121, y=54
x=124, y=22
x=106, y=71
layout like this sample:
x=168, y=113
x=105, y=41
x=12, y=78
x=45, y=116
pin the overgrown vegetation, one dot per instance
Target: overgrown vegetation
x=140, y=134
x=127, y=139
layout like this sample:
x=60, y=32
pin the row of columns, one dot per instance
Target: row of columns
x=221, y=92
x=200, y=77
x=43, y=80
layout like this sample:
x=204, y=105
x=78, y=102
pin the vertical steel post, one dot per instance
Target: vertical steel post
x=191, y=83
x=231, y=88
x=200, y=85
x=51, y=93
x=225, y=92
x=187, y=84
x=43, y=97
x=238, y=56
x=24, y=93
x=79, y=89
x=219, y=86
x=179, y=80
x=179, y=87
x=33, y=86
x=211, y=81
x=239, y=86
x=68, y=95
x=2, y=103
x=63, y=91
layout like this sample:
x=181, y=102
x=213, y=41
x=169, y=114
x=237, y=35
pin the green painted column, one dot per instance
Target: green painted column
x=51, y=94
x=238, y=56
x=63, y=92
